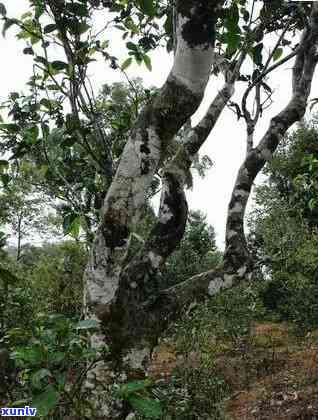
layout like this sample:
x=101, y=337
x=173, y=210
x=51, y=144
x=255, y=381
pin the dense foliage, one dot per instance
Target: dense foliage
x=284, y=228
x=41, y=327
x=197, y=251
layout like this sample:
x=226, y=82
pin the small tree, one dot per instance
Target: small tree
x=22, y=211
x=283, y=229
x=196, y=252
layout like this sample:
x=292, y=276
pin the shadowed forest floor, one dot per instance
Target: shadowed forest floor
x=281, y=377
x=267, y=371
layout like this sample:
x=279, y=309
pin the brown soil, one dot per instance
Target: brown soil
x=287, y=386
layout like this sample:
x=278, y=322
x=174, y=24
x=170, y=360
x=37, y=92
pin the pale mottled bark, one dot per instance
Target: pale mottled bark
x=105, y=288
x=237, y=264
x=236, y=253
x=123, y=295
x=252, y=122
x=157, y=124
x=140, y=312
x=177, y=169
x=130, y=322
x=139, y=281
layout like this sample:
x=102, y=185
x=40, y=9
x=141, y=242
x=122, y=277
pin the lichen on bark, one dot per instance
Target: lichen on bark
x=125, y=295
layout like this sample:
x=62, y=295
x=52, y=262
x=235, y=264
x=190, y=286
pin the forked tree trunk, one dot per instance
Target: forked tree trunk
x=109, y=286
x=123, y=293
x=237, y=264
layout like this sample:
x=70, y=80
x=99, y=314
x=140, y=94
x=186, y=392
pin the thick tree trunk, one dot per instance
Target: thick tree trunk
x=122, y=292
x=108, y=287
x=237, y=264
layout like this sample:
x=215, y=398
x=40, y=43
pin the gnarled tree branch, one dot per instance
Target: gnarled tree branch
x=157, y=124
x=130, y=319
x=236, y=253
x=237, y=264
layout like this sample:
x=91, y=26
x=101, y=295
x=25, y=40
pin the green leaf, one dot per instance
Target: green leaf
x=28, y=50
x=50, y=28
x=78, y=9
x=277, y=54
x=5, y=179
x=47, y=103
x=69, y=141
x=233, y=41
x=138, y=58
x=232, y=20
x=46, y=401
x=71, y=224
x=41, y=60
x=7, y=277
x=57, y=357
x=31, y=134
x=257, y=54
x=87, y=324
x=26, y=15
x=53, y=87
x=33, y=355
x=19, y=403
x=232, y=37
x=57, y=318
x=7, y=24
x=131, y=46
x=148, y=7
x=3, y=10
x=45, y=130
x=14, y=95
x=56, y=135
x=126, y=63
x=83, y=27
x=11, y=128
x=43, y=171
x=38, y=376
x=72, y=123
x=150, y=408
x=75, y=227
x=133, y=387
x=61, y=378
x=147, y=62
x=3, y=239
x=39, y=8
x=59, y=65
x=246, y=16
x=67, y=221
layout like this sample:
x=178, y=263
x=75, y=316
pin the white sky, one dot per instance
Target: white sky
x=226, y=144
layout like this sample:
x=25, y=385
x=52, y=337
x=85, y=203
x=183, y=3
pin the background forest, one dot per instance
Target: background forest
x=249, y=352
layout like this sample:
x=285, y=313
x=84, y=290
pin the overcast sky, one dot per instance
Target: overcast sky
x=226, y=144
